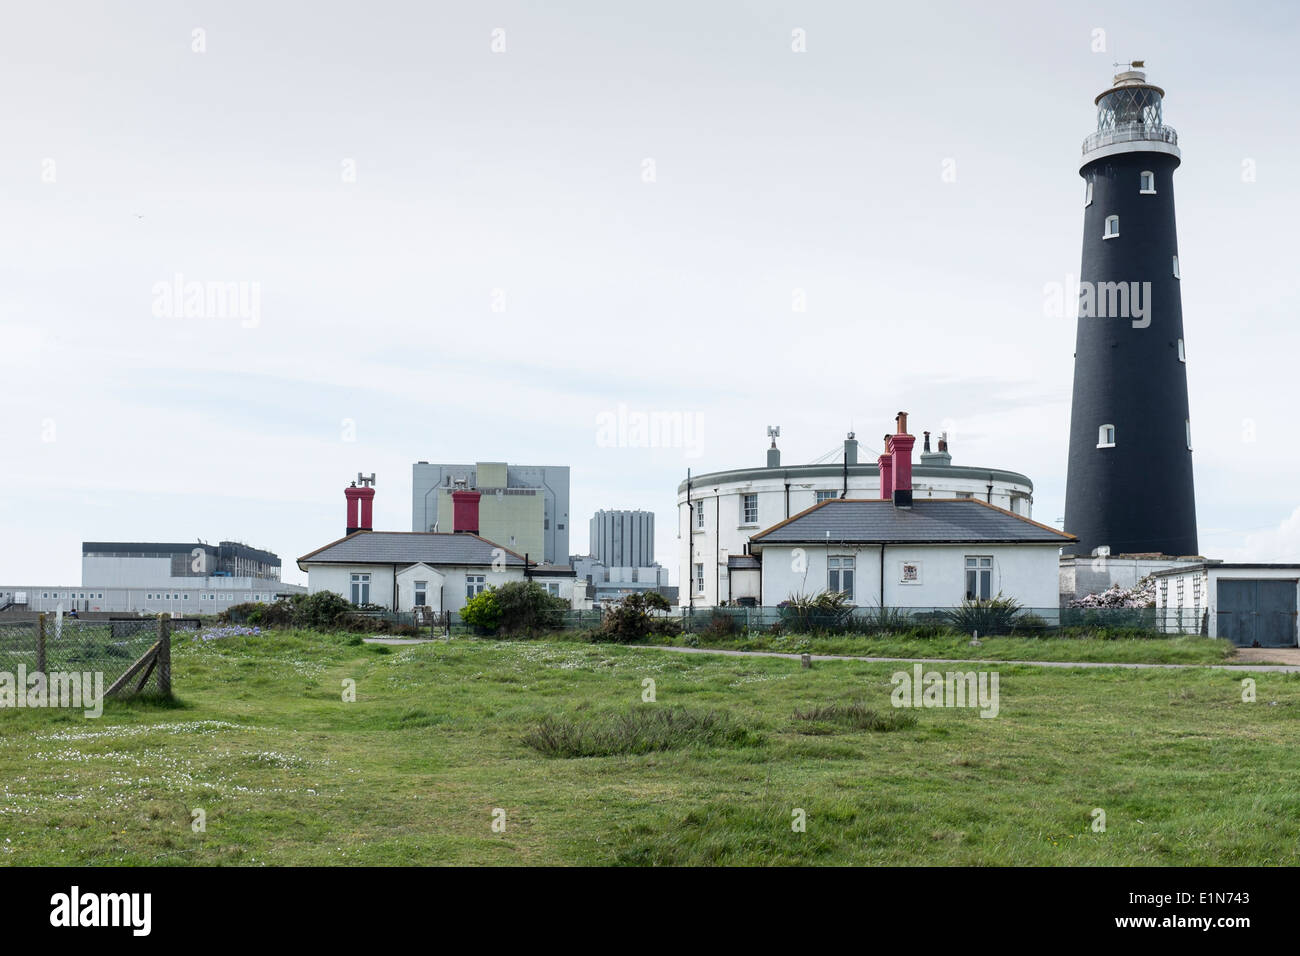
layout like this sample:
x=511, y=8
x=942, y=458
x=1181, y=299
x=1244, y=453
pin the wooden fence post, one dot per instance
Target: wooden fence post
x=40, y=643
x=165, y=654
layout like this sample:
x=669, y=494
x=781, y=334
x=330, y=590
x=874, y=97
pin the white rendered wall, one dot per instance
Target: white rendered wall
x=1027, y=573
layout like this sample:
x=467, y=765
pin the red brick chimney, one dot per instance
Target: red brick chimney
x=899, y=445
x=886, y=465
x=360, y=505
x=464, y=511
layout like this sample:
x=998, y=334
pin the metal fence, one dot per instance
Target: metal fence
x=987, y=620
x=130, y=655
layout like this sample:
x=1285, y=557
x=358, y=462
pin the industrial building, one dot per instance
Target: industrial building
x=622, y=559
x=623, y=538
x=719, y=511
x=523, y=507
x=140, y=577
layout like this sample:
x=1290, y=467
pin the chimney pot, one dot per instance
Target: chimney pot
x=900, y=448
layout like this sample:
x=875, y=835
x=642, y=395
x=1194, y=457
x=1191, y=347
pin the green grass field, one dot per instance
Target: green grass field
x=1187, y=649
x=412, y=772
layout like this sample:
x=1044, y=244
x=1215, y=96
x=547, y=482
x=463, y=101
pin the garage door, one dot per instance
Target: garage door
x=1257, y=612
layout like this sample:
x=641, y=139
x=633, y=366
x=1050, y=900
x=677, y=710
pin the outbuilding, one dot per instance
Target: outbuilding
x=1252, y=605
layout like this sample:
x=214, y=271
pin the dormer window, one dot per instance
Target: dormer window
x=1148, y=183
x=1112, y=227
x=1106, y=436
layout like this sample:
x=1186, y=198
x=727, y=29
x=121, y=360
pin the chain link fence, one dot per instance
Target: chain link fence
x=131, y=655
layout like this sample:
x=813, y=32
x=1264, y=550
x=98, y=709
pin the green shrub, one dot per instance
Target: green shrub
x=721, y=625
x=630, y=621
x=527, y=608
x=517, y=608
x=827, y=611
x=993, y=616
x=324, y=610
x=483, y=611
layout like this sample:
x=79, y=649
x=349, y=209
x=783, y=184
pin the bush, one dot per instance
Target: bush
x=517, y=608
x=323, y=610
x=483, y=611
x=827, y=611
x=630, y=621
x=993, y=616
x=721, y=625
x=527, y=608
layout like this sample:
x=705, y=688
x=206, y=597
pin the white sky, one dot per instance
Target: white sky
x=522, y=171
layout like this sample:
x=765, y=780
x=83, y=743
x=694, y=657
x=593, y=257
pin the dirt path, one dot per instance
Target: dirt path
x=1267, y=655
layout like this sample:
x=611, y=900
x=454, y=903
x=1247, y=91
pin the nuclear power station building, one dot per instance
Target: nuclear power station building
x=1129, y=486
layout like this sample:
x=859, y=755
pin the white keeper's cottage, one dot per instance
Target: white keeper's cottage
x=897, y=551
x=440, y=571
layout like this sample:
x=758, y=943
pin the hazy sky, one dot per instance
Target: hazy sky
x=456, y=254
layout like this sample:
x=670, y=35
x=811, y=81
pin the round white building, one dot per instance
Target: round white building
x=718, y=512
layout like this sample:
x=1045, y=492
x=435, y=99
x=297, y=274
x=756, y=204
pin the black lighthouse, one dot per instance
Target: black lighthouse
x=1129, y=487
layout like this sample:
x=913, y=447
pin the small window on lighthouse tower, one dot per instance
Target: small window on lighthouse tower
x=1112, y=227
x=1148, y=183
x=1182, y=351
x=1188, y=423
x=1106, y=436
x=1176, y=274
x=1087, y=194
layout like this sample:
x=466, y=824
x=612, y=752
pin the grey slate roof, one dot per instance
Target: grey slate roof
x=553, y=571
x=928, y=521
x=409, y=547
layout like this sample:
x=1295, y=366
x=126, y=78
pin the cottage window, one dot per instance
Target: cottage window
x=839, y=575
x=979, y=577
